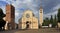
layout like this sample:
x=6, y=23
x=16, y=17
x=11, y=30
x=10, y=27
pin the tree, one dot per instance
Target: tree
x=51, y=19
x=58, y=15
x=46, y=22
x=54, y=21
x=2, y=22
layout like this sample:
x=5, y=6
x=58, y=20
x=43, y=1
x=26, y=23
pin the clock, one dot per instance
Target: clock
x=27, y=15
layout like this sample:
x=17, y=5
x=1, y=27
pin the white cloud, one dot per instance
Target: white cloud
x=3, y=8
x=27, y=1
x=53, y=12
x=16, y=14
x=2, y=0
x=56, y=7
x=49, y=14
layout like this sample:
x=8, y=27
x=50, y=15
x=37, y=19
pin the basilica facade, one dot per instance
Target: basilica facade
x=28, y=21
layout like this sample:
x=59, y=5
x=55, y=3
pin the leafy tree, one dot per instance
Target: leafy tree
x=2, y=22
x=58, y=15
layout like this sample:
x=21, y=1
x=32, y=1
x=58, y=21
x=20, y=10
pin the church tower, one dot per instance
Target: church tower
x=10, y=16
x=41, y=15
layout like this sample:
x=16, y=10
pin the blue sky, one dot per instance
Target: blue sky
x=49, y=6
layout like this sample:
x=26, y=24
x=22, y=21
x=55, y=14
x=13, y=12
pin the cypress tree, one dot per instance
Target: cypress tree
x=58, y=15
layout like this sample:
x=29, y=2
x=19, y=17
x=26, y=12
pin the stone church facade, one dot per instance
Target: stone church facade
x=28, y=21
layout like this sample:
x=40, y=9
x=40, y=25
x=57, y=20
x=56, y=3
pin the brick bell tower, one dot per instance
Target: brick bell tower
x=10, y=16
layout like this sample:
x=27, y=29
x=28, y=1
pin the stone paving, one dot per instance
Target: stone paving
x=43, y=30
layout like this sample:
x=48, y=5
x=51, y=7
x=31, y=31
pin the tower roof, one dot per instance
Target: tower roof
x=41, y=7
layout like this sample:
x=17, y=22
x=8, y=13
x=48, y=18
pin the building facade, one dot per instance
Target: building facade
x=28, y=21
x=10, y=16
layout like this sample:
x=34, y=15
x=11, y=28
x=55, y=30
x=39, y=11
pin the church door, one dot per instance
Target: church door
x=27, y=25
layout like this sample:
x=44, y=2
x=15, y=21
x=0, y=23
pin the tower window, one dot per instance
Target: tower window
x=41, y=12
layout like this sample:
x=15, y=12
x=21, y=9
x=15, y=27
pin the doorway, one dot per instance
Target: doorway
x=27, y=25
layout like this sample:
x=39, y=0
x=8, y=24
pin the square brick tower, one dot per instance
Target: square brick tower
x=10, y=16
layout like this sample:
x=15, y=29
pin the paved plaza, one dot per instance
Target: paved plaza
x=43, y=30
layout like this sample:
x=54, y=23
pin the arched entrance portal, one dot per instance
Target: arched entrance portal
x=28, y=24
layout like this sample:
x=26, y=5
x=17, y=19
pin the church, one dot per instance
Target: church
x=29, y=21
